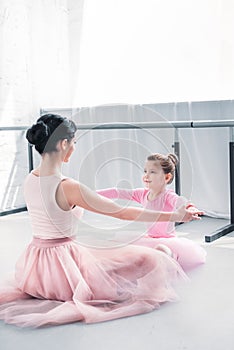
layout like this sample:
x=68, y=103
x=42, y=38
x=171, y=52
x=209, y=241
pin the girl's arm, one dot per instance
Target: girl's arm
x=114, y=193
x=122, y=193
x=80, y=195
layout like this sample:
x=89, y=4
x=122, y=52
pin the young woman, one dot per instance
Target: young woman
x=58, y=281
x=159, y=172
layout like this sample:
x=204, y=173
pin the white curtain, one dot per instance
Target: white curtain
x=38, y=61
x=36, y=56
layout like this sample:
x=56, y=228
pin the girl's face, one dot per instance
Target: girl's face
x=70, y=149
x=154, y=177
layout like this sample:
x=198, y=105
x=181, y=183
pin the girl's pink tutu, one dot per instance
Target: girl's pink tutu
x=188, y=253
x=57, y=281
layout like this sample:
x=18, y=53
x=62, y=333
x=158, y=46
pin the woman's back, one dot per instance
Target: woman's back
x=48, y=219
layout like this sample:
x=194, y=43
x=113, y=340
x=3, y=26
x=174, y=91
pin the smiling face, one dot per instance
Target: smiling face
x=154, y=177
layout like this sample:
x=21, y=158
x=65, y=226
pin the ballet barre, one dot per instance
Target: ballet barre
x=158, y=125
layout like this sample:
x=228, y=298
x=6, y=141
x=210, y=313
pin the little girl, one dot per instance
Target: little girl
x=158, y=173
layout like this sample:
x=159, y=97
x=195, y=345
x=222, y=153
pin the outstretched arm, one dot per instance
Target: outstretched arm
x=122, y=193
x=78, y=194
x=109, y=192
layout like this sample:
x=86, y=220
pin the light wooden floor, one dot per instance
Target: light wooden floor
x=203, y=319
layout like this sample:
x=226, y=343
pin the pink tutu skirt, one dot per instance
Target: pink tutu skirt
x=59, y=281
x=189, y=254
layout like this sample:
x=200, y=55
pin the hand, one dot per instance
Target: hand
x=192, y=209
x=185, y=215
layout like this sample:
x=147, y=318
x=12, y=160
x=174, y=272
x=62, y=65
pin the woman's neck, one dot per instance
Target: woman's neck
x=50, y=164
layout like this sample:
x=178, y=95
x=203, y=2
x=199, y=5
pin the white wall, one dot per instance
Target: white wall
x=154, y=51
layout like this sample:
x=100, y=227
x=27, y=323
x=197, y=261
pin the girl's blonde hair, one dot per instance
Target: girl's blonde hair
x=167, y=162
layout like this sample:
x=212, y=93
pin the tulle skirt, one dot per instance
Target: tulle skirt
x=59, y=281
x=188, y=253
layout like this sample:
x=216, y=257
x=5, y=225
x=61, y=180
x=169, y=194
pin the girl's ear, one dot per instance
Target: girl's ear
x=168, y=177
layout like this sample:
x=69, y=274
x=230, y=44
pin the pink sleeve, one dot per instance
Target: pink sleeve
x=133, y=195
x=173, y=201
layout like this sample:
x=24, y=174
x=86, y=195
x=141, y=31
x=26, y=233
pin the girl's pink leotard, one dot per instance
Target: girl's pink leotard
x=59, y=281
x=188, y=253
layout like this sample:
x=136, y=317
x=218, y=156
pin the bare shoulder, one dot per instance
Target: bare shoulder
x=68, y=181
x=69, y=184
x=64, y=193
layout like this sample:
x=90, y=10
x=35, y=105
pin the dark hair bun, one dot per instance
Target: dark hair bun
x=173, y=158
x=37, y=133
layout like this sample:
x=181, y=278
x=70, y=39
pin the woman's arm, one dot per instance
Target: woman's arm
x=78, y=194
